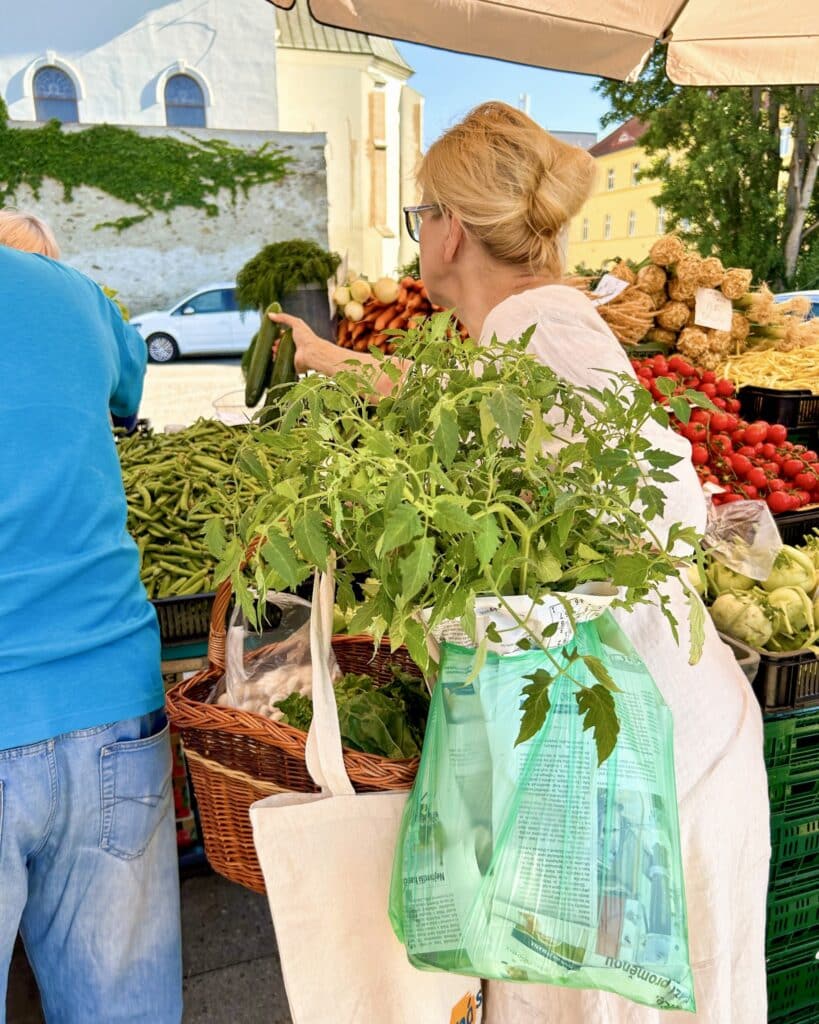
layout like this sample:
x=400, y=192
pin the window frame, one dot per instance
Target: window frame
x=607, y=227
x=631, y=224
x=177, y=106
x=610, y=179
x=72, y=100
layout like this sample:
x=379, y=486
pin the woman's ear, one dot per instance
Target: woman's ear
x=453, y=239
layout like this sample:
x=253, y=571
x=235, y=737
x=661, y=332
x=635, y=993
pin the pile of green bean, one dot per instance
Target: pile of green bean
x=175, y=484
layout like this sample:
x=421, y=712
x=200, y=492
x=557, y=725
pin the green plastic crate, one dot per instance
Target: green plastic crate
x=792, y=743
x=793, y=915
x=792, y=989
x=807, y=1015
x=800, y=950
x=794, y=795
x=794, y=852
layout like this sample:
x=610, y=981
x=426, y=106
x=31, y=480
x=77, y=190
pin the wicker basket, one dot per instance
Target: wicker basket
x=237, y=757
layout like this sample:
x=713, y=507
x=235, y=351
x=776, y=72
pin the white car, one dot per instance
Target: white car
x=206, y=322
x=812, y=295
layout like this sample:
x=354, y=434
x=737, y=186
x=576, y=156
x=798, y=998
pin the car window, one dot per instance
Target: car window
x=229, y=299
x=209, y=302
x=815, y=309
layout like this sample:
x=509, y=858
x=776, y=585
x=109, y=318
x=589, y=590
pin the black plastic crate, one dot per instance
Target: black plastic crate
x=184, y=620
x=793, y=408
x=787, y=681
x=795, y=526
x=792, y=743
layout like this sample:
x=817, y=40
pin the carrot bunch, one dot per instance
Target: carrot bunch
x=411, y=305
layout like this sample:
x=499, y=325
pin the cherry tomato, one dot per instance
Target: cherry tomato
x=756, y=432
x=721, y=443
x=725, y=388
x=809, y=455
x=738, y=436
x=695, y=432
x=746, y=450
x=709, y=389
x=660, y=365
x=771, y=468
x=776, y=484
x=790, y=467
x=806, y=481
x=779, y=501
x=708, y=376
x=734, y=405
x=749, y=491
x=740, y=464
x=757, y=478
x=700, y=416
x=728, y=498
x=777, y=434
x=768, y=450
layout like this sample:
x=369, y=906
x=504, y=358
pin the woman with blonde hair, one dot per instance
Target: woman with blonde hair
x=28, y=233
x=498, y=193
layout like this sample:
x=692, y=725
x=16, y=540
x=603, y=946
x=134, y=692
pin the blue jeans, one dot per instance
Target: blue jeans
x=88, y=873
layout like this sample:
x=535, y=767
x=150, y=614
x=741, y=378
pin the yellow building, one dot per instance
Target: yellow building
x=619, y=218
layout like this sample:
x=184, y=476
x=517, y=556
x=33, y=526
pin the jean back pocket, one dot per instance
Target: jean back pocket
x=135, y=777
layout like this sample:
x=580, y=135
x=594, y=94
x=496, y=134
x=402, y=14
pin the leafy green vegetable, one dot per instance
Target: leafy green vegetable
x=297, y=710
x=387, y=720
x=278, y=269
x=508, y=479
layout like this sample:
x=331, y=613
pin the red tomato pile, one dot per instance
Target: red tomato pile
x=749, y=460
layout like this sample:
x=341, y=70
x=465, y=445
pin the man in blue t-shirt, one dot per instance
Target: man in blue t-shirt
x=88, y=869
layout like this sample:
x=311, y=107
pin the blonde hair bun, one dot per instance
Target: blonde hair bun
x=28, y=233
x=514, y=186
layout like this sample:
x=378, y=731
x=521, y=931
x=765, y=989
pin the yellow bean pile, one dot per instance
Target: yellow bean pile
x=769, y=369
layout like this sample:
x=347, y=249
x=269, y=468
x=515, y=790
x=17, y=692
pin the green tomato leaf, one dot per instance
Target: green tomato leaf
x=451, y=516
x=416, y=567
x=276, y=552
x=535, y=705
x=596, y=706
x=631, y=570
x=215, y=537
x=507, y=411
x=310, y=536
x=487, y=539
x=446, y=437
x=600, y=672
x=403, y=524
x=680, y=408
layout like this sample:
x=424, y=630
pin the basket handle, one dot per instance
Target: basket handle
x=217, y=634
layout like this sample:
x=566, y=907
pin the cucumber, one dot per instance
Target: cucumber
x=247, y=355
x=261, y=359
x=282, y=378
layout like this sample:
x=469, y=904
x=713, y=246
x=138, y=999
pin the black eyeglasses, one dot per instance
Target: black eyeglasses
x=412, y=218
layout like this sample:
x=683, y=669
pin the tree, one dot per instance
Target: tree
x=737, y=165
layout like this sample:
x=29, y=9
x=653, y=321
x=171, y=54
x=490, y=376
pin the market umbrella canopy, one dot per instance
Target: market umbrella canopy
x=752, y=42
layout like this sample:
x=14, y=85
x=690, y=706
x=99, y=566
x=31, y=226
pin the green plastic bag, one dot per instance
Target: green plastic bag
x=534, y=863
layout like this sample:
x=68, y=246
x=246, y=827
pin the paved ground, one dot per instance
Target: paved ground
x=180, y=392
x=231, y=966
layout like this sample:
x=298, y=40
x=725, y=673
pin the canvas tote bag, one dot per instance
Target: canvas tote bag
x=327, y=859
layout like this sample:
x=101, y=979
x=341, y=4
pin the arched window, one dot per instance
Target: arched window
x=184, y=102
x=55, y=96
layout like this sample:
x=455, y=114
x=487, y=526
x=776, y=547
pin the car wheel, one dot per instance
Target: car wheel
x=162, y=348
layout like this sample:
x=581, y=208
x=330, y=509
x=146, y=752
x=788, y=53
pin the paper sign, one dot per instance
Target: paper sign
x=713, y=309
x=608, y=288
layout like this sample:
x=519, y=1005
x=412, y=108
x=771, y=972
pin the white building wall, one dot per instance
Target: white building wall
x=120, y=53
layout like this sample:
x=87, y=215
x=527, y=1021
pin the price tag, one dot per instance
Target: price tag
x=713, y=309
x=608, y=288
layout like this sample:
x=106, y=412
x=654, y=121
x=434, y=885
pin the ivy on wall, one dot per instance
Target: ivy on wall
x=157, y=174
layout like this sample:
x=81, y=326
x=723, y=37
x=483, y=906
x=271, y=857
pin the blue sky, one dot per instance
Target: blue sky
x=453, y=83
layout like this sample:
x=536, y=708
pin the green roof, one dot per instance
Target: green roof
x=297, y=30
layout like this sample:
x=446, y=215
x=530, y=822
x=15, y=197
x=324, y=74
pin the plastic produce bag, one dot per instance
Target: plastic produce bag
x=532, y=862
x=744, y=536
x=259, y=683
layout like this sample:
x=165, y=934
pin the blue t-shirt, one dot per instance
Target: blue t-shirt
x=79, y=644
